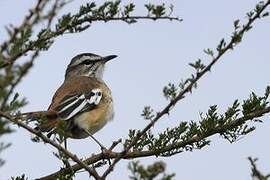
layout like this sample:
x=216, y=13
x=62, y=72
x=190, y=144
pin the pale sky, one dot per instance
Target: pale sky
x=151, y=54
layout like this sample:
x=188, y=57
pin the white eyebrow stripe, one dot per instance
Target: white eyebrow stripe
x=83, y=58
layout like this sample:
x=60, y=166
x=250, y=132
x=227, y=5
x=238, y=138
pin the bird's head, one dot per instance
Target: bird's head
x=87, y=64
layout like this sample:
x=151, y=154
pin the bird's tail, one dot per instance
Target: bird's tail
x=46, y=120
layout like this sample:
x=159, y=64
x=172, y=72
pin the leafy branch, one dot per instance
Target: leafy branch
x=258, y=11
x=12, y=74
x=186, y=136
x=151, y=172
x=74, y=23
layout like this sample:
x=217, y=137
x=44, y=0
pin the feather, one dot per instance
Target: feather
x=71, y=106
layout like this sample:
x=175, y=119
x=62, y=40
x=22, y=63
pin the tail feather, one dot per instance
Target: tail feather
x=47, y=119
x=36, y=115
x=48, y=126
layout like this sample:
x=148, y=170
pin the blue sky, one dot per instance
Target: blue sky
x=151, y=54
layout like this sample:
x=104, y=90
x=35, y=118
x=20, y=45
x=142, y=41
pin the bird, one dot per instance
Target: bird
x=83, y=104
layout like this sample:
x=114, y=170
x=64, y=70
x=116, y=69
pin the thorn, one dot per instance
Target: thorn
x=114, y=144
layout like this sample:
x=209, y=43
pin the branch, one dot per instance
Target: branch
x=62, y=31
x=128, y=18
x=146, y=153
x=34, y=11
x=256, y=174
x=54, y=144
x=35, y=16
x=13, y=85
x=157, y=170
x=233, y=42
x=109, y=11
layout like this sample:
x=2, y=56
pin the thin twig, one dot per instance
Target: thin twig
x=127, y=18
x=52, y=13
x=256, y=174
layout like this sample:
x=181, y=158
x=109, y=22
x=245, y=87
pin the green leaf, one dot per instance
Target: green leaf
x=209, y=52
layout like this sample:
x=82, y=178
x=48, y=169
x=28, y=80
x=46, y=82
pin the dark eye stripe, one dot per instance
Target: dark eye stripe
x=86, y=62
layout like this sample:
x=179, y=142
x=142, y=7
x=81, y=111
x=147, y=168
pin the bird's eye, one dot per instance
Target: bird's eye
x=86, y=62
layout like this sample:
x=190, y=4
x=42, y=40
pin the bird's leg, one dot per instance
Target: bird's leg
x=65, y=143
x=101, y=146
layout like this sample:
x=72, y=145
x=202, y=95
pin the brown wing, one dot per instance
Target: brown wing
x=73, y=87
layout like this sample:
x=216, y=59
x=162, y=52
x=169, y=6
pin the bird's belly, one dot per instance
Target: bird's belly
x=93, y=120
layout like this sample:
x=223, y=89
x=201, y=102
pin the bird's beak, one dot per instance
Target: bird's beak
x=108, y=58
